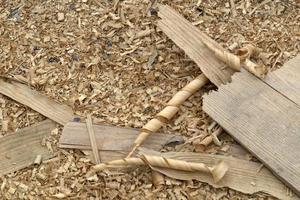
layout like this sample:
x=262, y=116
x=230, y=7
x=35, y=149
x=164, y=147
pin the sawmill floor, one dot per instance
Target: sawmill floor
x=108, y=58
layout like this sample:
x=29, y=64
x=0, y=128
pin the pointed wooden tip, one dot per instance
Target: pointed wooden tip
x=132, y=151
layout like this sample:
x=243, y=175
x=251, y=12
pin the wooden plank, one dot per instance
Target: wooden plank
x=189, y=38
x=286, y=80
x=89, y=125
x=20, y=149
x=246, y=176
x=263, y=120
x=110, y=138
x=40, y=103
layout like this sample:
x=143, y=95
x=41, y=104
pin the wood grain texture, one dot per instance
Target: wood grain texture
x=263, y=120
x=189, y=38
x=20, y=149
x=110, y=138
x=93, y=142
x=286, y=80
x=40, y=103
x=244, y=176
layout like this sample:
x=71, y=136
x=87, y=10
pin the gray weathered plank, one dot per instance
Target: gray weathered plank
x=244, y=176
x=286, y=80
x=110, y=138
x=19, y=150
x=189, y=38
x=40, y=103
x=263, y=120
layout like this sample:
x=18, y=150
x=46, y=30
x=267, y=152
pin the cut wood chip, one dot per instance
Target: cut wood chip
x=112, y=141
x=40, y=103
x=24, y=148
x=242, y=175
x=264, y=117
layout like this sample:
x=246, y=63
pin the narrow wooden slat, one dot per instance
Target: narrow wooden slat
x=89, y=125
x=244, y=176
x=189, y=38
x=40, y=103
x=110, y=138
x=263, y=120
x=20, y=149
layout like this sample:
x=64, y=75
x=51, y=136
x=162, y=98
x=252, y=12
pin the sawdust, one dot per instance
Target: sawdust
x=108, y=58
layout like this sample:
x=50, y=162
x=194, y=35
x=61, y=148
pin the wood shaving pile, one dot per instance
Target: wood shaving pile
x=108, y=58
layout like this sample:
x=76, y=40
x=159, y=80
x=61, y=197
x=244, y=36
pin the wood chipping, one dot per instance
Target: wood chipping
x=109, y=59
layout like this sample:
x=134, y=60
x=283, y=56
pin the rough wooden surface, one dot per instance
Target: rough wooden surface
x=189, y=38
x=110, y=138
x=246, y=176
x=40, y=103
x=20, y=149
x=93, y=142
x=263, y=120
x=286, y=80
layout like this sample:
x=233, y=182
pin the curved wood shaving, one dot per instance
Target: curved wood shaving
x=247, y=52
x=230, y=59
x=168, y=112
x=236, y=62
x=217, y=171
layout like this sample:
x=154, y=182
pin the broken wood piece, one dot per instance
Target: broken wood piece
x=40, y=103
x=19, y=150
x=208, y=140
x=242, y=175
x=258, y=115
x=217, y=171
x=89, y=125
x=113, y=142
x=189, y=38
x=169, y=111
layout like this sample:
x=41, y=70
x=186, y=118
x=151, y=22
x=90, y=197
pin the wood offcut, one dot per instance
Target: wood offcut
x=40, y=103
x=189, y=38
x=19, y=150
x=264, y=117
x=246, y=176
x=113, y=142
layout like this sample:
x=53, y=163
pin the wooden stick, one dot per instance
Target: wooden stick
x=89, y=125
x=169, y=111
x=217, y=171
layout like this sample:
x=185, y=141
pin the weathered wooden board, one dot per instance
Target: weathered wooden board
x=189, y=38
x=20, y=149
x=263, y=120
x=110, y=138
x=286, y=80
x=40, y=103
x=244, y=176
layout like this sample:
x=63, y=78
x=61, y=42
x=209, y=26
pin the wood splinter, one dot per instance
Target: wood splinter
x=209, y=139
x=169, y=111
x=217, y=171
